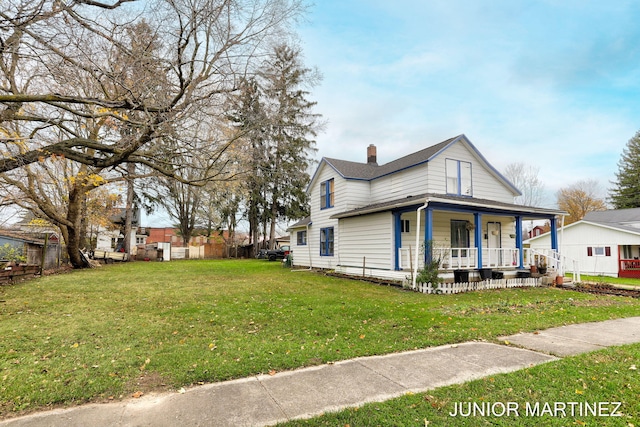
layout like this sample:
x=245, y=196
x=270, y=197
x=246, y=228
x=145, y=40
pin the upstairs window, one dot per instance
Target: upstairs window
x=326, y=194
x=458, y=177
x=404, y=226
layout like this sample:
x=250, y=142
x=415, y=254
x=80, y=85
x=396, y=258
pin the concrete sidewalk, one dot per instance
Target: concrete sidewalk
x=267, y=400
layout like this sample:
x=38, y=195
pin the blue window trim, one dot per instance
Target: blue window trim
x=326, y=186
x=458, y=191
x=327, y=247
x=301, y=241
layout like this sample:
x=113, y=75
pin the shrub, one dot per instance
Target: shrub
x=11, y=253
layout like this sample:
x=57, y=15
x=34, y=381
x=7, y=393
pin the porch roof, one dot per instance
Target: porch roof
x=447, y=202
x=301, y=224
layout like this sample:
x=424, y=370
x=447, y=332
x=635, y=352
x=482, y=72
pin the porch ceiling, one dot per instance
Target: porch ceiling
x=453, y=203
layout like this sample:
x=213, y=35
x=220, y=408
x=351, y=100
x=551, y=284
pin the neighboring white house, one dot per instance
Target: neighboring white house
x=374, y=219
x=112, y=239
x=603, y=243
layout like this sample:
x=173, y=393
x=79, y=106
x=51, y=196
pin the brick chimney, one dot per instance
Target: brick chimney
x=372, y=155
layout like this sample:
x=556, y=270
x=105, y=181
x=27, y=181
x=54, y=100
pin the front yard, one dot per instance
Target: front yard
x=123, y=330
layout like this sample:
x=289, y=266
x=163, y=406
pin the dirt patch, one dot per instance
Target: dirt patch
x=147, y=382
x=603, y=289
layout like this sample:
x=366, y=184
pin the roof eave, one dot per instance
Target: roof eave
x=473, y=203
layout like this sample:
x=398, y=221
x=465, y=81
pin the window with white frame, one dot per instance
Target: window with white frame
x=458, y=175
x=404, y=226
x=598, y=251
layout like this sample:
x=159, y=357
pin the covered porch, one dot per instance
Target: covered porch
x=629, y=261
x=479, y=237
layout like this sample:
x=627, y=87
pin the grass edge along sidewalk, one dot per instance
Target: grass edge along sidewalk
x=591, y=389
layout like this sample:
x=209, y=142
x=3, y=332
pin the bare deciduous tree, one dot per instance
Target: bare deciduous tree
x=525, y=178
x=133, y=72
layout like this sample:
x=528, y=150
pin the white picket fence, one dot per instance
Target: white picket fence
x=456, y=288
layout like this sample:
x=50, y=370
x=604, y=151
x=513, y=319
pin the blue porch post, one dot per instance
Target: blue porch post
x=554, y=234
x=478, y=236
x=519, y=244
x=397, y=226
x=428, y=234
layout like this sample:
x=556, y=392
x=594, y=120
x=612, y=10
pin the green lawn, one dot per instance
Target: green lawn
x=106, y=333
x=551, y=394
x=609, y=279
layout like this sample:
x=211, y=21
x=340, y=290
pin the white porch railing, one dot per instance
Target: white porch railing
x=465, y=258
x=454, y=258
x=552, y=259
x=500, y=257
x=458, y=258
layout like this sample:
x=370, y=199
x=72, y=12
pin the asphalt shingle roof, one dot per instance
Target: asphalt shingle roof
x=367, y=171
x=614, y=216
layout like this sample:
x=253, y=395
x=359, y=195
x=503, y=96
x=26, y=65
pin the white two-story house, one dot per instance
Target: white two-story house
x=375, y=220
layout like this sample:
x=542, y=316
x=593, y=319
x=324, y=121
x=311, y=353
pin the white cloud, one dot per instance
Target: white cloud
x=551, y=83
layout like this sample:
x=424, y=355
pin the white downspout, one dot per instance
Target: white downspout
x=415, y=263
x=562, y=266
x=309, y=246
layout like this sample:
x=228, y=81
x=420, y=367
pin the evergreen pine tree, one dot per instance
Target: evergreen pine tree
x=289, y=142
x=626, y=193
x=247, y=115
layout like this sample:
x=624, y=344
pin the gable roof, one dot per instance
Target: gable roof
x=368, y=171
x=598, y=224
x=304, y=222
x=618, y=216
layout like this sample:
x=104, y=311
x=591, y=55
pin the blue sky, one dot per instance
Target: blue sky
x=554, y=84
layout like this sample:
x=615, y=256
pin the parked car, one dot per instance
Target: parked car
x=278, y=253
x=262, y=254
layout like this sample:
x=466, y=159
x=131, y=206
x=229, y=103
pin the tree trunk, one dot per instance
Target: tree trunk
x=72, y=237
x=82, y=234
x=131, y=170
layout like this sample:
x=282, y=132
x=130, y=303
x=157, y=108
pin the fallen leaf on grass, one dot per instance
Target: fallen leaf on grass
x=137, y=394
x=144, y=365
x=272, y=372
x=632, y=368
